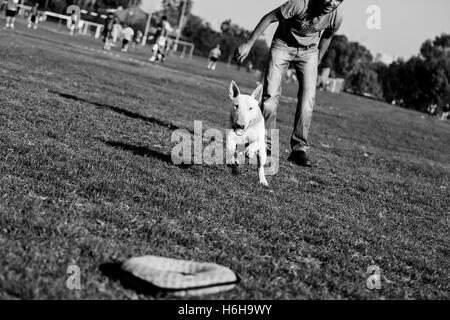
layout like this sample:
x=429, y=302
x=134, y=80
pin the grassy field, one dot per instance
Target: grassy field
x=86, y=179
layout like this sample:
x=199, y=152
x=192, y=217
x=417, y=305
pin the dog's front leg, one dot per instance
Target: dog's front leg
x=231, y=152
x=262, y=159
x=252, y=149
x=231, y=148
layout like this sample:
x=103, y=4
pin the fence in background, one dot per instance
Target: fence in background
x=184, y=49
x=61, y=20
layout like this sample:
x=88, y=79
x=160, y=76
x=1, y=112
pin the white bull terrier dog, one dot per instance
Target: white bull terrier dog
x=247, y=123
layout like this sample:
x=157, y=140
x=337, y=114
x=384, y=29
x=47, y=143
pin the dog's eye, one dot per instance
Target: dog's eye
x=236, y=106
x=251, y=108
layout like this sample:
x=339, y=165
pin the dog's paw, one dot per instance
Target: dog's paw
x=263, y=182
x=235, y=169
x=250, y=152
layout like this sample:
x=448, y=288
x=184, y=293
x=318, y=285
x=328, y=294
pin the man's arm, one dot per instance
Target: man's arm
x=243, y=51
x=168, y=28
x=323, y=45
x=329, y=33
x=266, y=21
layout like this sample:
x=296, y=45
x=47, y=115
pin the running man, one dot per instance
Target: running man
x=214, y=56
x=33, y=20
x=137, y=39
x=11, y=12
x=164, y=28
x=108, y=28
x=302, y=38
x=127, y=38
x=73, y=22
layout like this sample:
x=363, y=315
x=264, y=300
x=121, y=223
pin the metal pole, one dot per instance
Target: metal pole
x=21, y=10
x=147, y=26
x=147, y=29
x=183, y=11
x=191, y=52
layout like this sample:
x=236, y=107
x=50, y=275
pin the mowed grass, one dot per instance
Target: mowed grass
x=86, y=179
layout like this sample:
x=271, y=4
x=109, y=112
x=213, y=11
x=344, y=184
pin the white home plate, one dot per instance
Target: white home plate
x=183, y=278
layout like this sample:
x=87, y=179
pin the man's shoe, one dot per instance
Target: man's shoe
x=300, y=158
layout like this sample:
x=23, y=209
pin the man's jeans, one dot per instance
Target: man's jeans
x=305, y=62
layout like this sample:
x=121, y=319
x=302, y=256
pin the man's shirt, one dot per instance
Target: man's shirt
x=297, y=29
x=128, y=33
x=215, y=53
x=109, y=24
x=164, y=28
x=74, y=17
x=12, y=5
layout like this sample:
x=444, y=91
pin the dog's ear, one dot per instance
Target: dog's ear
x=234, y=90
x=258, y=93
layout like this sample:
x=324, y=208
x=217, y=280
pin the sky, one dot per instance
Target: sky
x=405, y=24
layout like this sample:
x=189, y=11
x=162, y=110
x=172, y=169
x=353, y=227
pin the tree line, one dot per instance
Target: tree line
x=421, y=83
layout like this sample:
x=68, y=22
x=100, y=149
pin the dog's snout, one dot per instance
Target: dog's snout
x=239, y=126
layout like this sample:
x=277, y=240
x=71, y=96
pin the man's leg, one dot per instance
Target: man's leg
x=154, y=52
x=306, y=68
x=275, y=70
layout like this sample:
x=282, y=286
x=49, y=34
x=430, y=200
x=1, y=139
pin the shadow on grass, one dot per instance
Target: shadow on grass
x=114, y=272
x=118, y=110
x=236, y=170
x=144, y=152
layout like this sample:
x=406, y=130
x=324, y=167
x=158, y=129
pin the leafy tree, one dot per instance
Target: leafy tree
x=363, y=80
x=173, y=10
x=201, y=34
x=423, y=80
x=352, y=61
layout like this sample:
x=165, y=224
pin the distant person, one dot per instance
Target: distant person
x=73, y=22
x=108, y=28
x=238, y=65
x=162, y=33
x=290, y=75
x=303, y=36
x=166, y=51
x=137, y=39
x=33, y=19
x=214, y=56
x=11, y=12
x=249, y=67
x=127, y=38
x=117, y=30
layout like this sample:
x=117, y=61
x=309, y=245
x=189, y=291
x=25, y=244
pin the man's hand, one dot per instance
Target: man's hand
x=242, y=52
